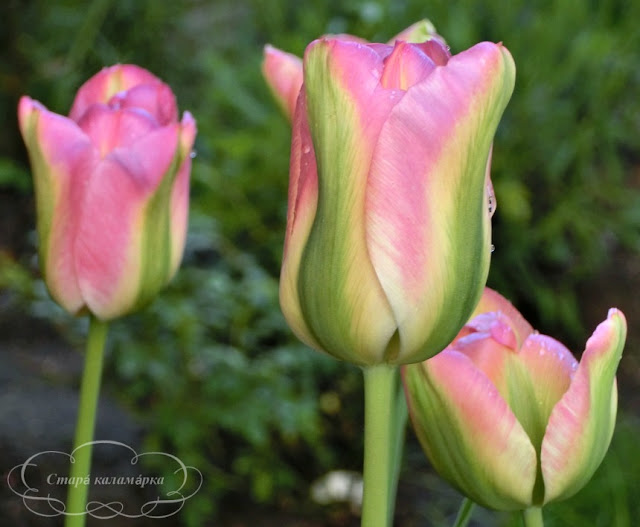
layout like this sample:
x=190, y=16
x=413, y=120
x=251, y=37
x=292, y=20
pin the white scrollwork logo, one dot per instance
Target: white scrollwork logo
x=43, y=503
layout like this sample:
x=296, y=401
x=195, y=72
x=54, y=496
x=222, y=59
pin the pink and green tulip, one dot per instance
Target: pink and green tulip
x=112, y=190
x=388, y=243
x=508, y=415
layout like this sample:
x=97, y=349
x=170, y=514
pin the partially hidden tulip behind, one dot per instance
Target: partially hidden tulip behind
x=283, y=71
x=388, y=243
x=508, y=415
x=112, y=190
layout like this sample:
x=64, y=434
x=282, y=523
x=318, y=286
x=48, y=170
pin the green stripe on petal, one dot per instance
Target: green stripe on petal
x=341, y=298
x=469, y=433
x=582, y=423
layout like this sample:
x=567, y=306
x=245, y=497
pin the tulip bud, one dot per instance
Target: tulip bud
x=388, y=245
x=112, y=190
x=508, y=416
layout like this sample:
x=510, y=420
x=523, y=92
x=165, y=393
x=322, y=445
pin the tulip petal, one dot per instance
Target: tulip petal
x=437, y=51
x=474, y=440
x=546, y=369
x=180, y=193
x=124, y=234
x=405, y=66
x=428, y=230
x=492, y=301
x=109, y=129
x=581, y=424
x=283, y=73
x=155, y=98
x=62, y=158
x=341, y=299
x=301, y=211
x=105, y=84
x=488, y=355
x=418, y=32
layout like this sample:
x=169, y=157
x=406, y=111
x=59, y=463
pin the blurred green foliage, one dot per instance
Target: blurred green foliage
x=210, y=367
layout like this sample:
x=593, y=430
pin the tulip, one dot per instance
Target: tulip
x=388, y=245
x=112, y=190
x=283, y=71
x=508, y=415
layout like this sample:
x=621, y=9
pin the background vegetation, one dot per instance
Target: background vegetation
x=210, y=368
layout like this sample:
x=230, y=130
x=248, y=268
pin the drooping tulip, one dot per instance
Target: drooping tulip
x=283, y=71
x=388, y=229
x=508, y=415
x=112, y=190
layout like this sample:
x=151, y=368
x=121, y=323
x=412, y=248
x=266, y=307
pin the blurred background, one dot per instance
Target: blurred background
x=210, y=372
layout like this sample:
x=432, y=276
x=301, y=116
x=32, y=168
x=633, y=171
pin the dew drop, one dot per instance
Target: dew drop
x=493, y=247
x=306, y=149
x=192, y=154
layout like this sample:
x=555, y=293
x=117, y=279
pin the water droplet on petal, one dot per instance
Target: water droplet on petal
x=306, y=149
x=493, y=247
x=193, y=154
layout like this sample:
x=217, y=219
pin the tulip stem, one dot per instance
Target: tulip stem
x=533, y=517
x=399, y=424
x=465, y=513
x=82, y=444
x=380, y=391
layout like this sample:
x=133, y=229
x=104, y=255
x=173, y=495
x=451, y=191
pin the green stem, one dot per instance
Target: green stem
x=82, y=447
x=533, y=517
x=465, y=512
x=400, y=417
x=380, y=387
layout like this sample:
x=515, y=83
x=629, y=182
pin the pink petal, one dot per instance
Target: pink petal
x=156, y=98
x=492, y=301
x=551, y=367
x=302, y=206
x=346, y=109
x=106, y=83
x=108, y=251
x=62, y=160
x=110, y=129
x=581, y=424
x=497, y=326
x=406, y=66
x=283, y=73
x=437, y=51
x=488, y=355
x=422, y=165
x=180, y=193
x=470, y=434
